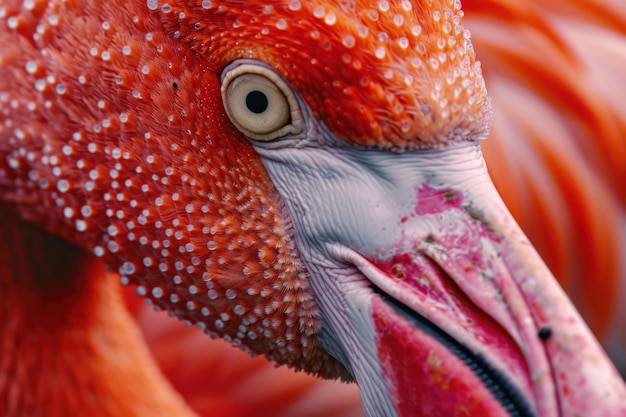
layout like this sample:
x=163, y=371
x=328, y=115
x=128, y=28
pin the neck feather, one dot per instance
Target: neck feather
x=69, y=347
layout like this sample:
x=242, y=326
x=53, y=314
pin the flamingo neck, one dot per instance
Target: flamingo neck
x=69, y=347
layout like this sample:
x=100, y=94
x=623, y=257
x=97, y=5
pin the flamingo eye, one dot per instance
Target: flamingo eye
x=259, y=103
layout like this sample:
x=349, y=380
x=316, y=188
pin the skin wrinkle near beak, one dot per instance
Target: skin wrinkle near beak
x=443, y=214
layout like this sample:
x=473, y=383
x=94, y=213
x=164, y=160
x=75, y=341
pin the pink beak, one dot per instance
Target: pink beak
x=433, y=298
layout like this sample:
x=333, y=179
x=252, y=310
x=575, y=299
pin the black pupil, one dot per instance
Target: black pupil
x=256, y=102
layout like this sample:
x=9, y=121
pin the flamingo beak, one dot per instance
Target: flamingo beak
x=432, y=297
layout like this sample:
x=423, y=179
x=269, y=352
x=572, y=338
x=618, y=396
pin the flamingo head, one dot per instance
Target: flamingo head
x=303, y=179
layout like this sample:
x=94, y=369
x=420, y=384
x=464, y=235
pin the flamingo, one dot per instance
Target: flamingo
x=47, y=197
x=572, y=234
